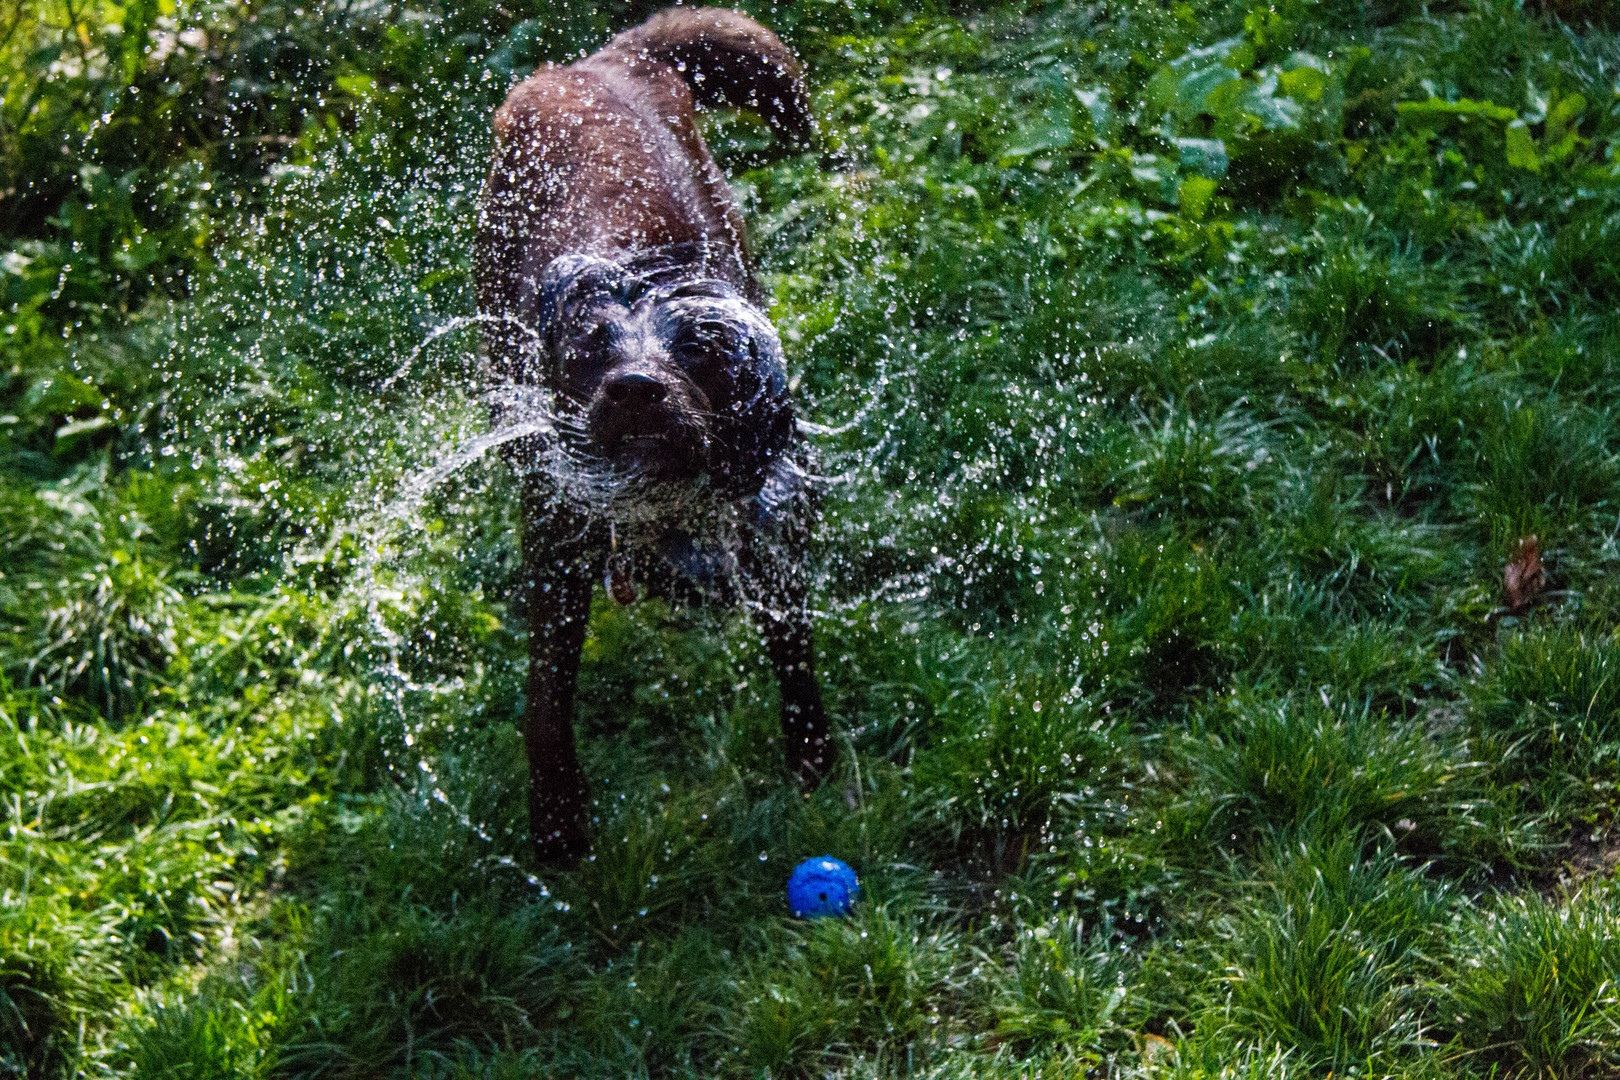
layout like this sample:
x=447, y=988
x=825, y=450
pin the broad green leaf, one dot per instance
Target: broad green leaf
x=69, y=436
x=1207, y=157
x=1435, y=111
x=1562, y=133
x=1194, y=196
x=1521, y=149
x=1274, y=113
x=1054, y=129
x=82, y=427
x=360, y=86
x=1305, y=84
x=139, y=250
x=1218, y=52
x=1099, y=104
x=1194, y=89
x=1562, y=116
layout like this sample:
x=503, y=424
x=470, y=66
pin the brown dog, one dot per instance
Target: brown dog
x=612, y=271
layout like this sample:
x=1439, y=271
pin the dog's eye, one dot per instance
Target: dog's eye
x=725, y=337
x=690, y=354
x=714, y=338
x=596, y=338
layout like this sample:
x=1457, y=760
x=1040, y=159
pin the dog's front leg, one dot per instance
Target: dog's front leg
x=774, y=542
x=791, y=646
x=557, y=573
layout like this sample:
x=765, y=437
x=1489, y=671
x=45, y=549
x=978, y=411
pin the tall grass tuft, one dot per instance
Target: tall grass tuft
x=1061, y=987
x=1335, y=769
x=882, y=983
x=1550, y=708
x=1534, y=987
x=1324, y=960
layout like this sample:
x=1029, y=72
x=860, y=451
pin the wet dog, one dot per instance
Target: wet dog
x=613, y=272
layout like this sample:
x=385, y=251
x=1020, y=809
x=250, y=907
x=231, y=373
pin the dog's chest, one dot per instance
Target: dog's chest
x=691, y=562
x=710, y=552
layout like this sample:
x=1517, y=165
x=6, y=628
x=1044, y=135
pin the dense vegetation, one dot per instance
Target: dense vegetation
x=1195, y=372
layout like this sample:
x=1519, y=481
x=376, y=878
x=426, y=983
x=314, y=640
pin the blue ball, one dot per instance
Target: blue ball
x=822, y=886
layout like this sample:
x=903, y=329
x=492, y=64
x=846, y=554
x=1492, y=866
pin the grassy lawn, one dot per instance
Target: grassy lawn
x=1197, y=375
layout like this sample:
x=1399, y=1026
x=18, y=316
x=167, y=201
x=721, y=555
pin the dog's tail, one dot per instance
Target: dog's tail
x=728, y=59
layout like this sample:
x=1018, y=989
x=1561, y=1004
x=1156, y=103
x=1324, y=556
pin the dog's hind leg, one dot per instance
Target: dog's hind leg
x=557, y=573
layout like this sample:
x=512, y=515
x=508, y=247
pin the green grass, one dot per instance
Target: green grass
x=1325, y=960
x=1197, y=368
x=1535, y=988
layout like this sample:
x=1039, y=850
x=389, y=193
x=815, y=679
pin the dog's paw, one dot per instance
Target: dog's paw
x=561, y=848
x=813, y=770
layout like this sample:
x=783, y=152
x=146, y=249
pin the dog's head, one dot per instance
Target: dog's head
x=678, y=379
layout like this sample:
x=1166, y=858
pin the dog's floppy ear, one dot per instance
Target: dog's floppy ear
x=567, y=287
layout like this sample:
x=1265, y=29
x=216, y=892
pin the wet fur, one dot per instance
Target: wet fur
x=612, y=261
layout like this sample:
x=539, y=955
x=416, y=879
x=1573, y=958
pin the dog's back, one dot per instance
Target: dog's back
x=603, y=156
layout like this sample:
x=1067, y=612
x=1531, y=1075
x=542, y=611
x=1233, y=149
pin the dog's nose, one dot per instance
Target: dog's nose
x=634, y=389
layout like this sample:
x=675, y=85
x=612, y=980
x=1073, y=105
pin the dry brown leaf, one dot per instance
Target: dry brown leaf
x=620, y=586
x=1157, y=1049
x=1524, y=579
